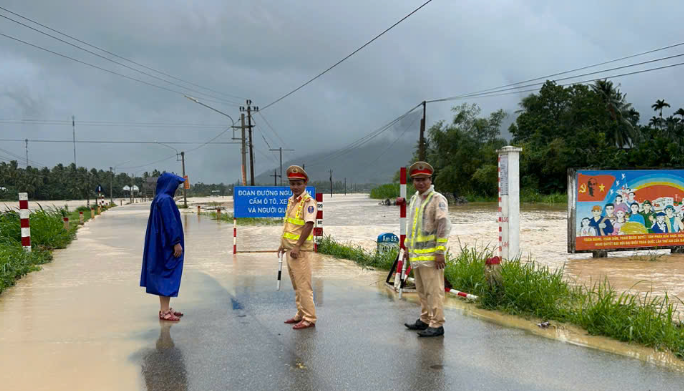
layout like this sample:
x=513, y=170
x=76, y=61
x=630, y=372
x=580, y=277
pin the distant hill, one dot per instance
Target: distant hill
x=375, y=162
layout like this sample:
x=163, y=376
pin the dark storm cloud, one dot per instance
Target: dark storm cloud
x=262, y=49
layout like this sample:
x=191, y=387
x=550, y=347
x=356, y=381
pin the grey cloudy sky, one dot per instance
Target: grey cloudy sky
x=262, y=49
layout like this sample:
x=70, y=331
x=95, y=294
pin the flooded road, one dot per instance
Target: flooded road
x=83, y=323
x=543, y=234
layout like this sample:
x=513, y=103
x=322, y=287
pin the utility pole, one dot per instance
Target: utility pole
x=275, y=177
x=244, y=151
x=73, y=128
x=421, y=145
x=345, y=186
x=249, y=110
x=27, y=161
x=185, y=191
x=111, y=185
x=282, y=182
x=331, y=186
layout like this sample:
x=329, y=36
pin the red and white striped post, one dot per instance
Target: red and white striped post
x=401, y=268
x=80, y=217
x=234, y=235
x=318, y=229
x=66, y=223
x=509, y=202
x=24, y=214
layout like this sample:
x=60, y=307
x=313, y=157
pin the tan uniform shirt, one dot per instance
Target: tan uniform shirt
x=435, y=221
x=300, y=210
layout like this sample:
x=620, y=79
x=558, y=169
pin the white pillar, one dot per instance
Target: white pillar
x=509, y=202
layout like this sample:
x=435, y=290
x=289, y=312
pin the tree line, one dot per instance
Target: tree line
x=559, y=127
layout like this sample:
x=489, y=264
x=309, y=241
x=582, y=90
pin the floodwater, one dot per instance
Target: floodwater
x=83, y=323
x=543, y=234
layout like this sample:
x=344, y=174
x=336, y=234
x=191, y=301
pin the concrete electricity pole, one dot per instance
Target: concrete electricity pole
x=27, y=161
x=275, y=177
x=244, y=151
x=282, y=180
x=111, y=185
x=185, y=191
x=73, y=128
x=331, y=186
x=249, y=110
x=421, y=143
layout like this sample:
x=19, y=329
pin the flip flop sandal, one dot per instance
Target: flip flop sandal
x=177, y=313
x=168, y=316
x=292, y=321
x=303, y=325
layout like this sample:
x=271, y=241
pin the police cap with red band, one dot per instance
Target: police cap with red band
x=296, y=172
x=420, y=169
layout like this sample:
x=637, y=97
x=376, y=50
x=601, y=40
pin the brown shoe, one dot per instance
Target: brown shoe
x=303, y=325
x=292, y=321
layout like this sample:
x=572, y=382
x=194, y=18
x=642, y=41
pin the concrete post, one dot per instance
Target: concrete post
x=509, y=202
x=24, y=214
x=80, y=218
x=66, y=223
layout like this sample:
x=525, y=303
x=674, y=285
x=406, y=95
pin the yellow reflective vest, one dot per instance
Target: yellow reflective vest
x=298, y=212
x=427, y=227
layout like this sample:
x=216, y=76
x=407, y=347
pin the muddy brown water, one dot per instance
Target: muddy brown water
x=359, y=220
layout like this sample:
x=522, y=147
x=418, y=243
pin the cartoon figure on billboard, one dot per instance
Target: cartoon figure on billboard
x=586, y=229
x=624, y=203
x=648, y=213
x=674, y=223
x=620, y=212
x=660, y=227
x=601, y=224
x=634, y=216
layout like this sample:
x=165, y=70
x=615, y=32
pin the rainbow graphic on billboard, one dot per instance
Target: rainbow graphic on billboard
x=623, y=209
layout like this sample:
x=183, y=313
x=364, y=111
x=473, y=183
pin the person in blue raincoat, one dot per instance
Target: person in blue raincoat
x=162, y=264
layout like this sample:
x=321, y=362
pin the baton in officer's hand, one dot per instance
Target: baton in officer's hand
x=280, y=268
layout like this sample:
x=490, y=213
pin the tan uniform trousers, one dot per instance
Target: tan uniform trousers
x=300, y=274
x=430, y=287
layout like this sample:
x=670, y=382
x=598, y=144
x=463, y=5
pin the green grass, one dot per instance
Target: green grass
x=390, y=190
x=357, y=254
x=533, y=290
x=228, y=217
x=47, y=234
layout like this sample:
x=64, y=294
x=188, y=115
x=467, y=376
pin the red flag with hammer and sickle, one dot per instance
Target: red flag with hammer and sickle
x=593, y=187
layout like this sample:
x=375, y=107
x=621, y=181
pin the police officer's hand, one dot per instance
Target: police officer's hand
x=281, y=250
x=405, y=258
x=177, y=250
x=440, y=263
x=294, y=253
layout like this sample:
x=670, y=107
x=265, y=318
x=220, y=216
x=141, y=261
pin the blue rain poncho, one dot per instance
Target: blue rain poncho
x=161, y=271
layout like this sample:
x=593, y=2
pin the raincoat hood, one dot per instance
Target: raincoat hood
x=168, y=183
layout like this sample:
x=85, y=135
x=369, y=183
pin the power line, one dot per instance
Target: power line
x=589, y=66
x=116, y=55
x=345, y=58
x=116, y=62
x=363, y=140
x=119, y=141
x=495, y=93
x=95, y=66
x=394, y=142
x=271, y=127
x=38, y=122
x=502, y=89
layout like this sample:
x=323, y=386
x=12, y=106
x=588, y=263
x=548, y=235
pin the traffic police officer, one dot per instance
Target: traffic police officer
x=297, y=244
x=428, y=228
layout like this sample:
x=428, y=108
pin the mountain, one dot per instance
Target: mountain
x=375, y=162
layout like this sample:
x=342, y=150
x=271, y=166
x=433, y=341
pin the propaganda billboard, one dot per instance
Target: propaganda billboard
x=625, y=209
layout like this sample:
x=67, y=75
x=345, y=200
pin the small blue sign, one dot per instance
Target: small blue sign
x=263, y=201
x=99, y=189
x=387, y=242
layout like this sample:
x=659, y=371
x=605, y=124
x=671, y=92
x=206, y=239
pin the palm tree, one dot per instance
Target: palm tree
x=655, y=122
x=680, y=112
x=620, y=111
x=659, y=106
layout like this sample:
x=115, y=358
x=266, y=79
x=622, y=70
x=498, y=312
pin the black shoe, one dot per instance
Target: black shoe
x=432, y=332
x=419, y=325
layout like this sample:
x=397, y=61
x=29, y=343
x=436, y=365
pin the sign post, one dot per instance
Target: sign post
x=509, y=202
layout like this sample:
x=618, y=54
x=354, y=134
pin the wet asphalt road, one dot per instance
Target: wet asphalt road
x=233, y=336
